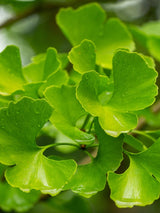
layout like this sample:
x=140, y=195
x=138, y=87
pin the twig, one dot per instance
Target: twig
x=30, y=12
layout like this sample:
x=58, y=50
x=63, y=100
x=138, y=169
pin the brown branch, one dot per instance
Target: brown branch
x=29, y=12
x=44, y=7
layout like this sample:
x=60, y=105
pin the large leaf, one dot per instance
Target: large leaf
x=19, y=126
x=114, y=107
x=89, y=22
x=139, y=184
x=91, y=178
x=67, y=111
x=10, y=70
x=139, y=89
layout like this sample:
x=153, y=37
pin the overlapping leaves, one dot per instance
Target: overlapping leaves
x=147, y=37
x=32, y=80
x=13, y=198
x=91, y=21
x=140, y=183
x=91, y=178
x=115, y=99
x=19, y=125
x=67, y=111
x=130, y=87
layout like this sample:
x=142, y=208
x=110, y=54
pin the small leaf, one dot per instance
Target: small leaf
x=33, y=72
x=42, y=66
x=10, y=70
x=83, y=57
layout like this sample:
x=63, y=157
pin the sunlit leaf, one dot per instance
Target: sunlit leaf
x=19, y=125
x=91, y=20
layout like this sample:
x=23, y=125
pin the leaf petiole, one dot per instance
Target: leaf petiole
x=144, y=134
x=85, y=121
x=60, y=144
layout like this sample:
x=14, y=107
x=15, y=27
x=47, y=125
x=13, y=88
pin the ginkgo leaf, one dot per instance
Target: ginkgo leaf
x=19, y=126
x=115, y=101
x=14, y=199
x=148, y=37
x=42, y=67
x=139, y=184
x=138, y=92
x=67, y=111
x=63, y=57
x=56, y=79
x=83, y=56
x=5, y=99
x=12, y=78
x=91, y=178
x=92, y=25
x=30, y=90
x=89, y=93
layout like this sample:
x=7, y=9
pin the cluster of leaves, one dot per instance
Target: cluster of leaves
x=93, y=103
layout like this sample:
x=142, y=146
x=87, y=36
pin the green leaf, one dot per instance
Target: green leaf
x=91, y=178
x=114, y=106
x=139, y=184
x=14, y=199
x=92, y=25
x=68, y=202
x=30, y=90
x=10, y=70
x=52, y=63
x=153, y=46
x=148, y=36
x=66, y=113
x=96, y=90
x=42, y=66
x=74, y=77
x=63, y=57
x=139, y=37
x=19, y=126
x=5, y=99
x=56, y=79
x=83, y=57
x=151, y=28
x=45, y=70
x=152, y=119
x=139, y=90
x=149, y=61
x=134, y=142
x=34, y=71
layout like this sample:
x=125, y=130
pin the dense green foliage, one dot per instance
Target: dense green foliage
x=89, y=99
